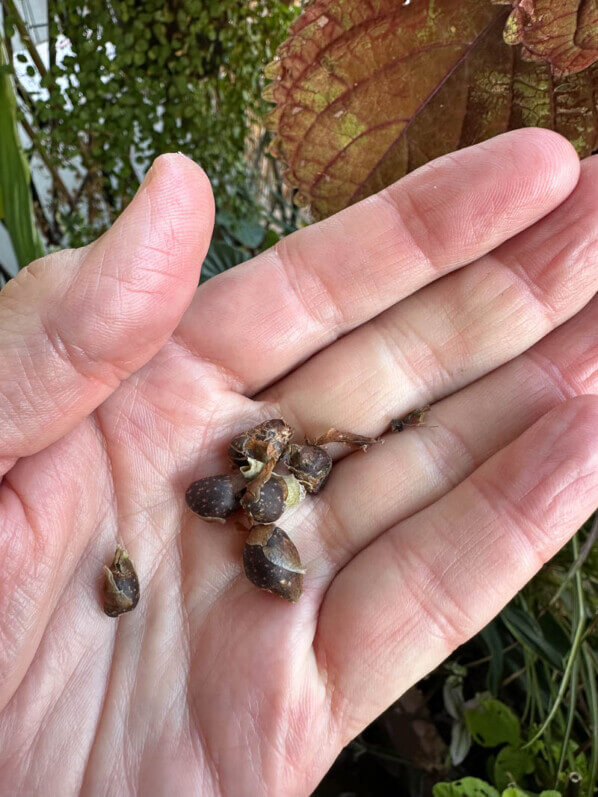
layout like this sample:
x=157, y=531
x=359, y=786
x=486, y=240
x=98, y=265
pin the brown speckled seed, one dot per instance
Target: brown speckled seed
x=272, y=562
x=271, y=503
x=216, y=498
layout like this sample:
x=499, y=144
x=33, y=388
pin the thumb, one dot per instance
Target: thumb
x=76, y=323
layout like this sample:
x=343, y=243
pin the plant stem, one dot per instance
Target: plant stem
x=486, y=659
x=592, y=698
x=573, y=653
x=58, y=182
x=578, y=617
x=570, y=718
x=580, y=559
x=372, y=749
x=513, y=677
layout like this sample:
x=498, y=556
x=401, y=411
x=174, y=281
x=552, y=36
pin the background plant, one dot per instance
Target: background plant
x=367, y=91
x=140, y=79
x=512, y=713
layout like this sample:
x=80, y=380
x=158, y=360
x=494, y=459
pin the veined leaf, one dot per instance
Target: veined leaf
x=17, y=209
x=563, y=33
x=368, y=91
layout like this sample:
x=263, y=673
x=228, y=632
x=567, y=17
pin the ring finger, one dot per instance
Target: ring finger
x=414, y=469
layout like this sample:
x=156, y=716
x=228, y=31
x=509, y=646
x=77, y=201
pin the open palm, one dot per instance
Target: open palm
x=467, y=285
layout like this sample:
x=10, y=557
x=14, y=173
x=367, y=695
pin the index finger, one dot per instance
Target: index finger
x=260, y=320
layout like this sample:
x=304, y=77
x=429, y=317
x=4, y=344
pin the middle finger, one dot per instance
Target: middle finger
x=454, y=331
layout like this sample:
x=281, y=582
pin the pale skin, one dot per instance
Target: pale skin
x=468, y=285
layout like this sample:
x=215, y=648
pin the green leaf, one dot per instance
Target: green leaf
x=511, y=765
x=366, y=92
x=550, y=793
x=248, y=232
x=513, y=792
x=270, y=239
x=554, y=634
x=17, y=206
x=491, y=723
x=527, y=630
x=221, y=256
x=466, y=787
x=493, y=642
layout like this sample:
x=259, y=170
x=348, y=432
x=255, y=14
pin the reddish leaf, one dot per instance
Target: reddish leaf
x=562, y=32
x=367, y=90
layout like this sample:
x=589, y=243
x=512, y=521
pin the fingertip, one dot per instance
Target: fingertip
x=544, y=164
x=181, y=177
x=179, y=190
x=168, y=225
x=137, y=280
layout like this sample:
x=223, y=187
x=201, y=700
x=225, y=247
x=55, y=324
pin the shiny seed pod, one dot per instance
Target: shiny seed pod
x=263, y=442
x=121, y=585
x=272, y=562
x=311, y=465
x=278, y=494
x=216, y=498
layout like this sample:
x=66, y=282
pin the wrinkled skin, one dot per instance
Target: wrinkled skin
x=468, y=286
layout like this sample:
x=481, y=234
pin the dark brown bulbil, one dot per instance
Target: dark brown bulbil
x=216, y=498
x=310, y=465
x=262, y=442
x=272, y=562
x=270, y=504
x=121, y=585
x=266, y=443
x=270, y=558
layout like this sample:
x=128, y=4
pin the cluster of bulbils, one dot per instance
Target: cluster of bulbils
x=270, y=558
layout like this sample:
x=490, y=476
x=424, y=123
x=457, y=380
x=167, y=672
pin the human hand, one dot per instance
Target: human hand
x=468, y=285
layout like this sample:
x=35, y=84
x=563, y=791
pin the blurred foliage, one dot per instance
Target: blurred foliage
x=143, y=78
x=512, y=713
